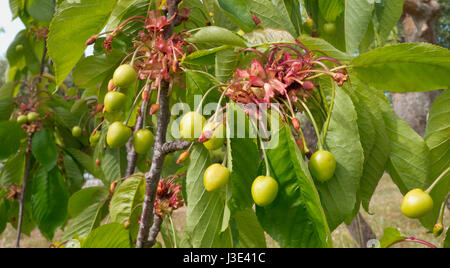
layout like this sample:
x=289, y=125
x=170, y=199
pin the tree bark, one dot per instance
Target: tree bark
x=419, y=25
x=153, y=176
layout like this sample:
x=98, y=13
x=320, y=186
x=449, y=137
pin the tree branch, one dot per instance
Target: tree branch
x=153, y=176
x=24, y=188
x=154, y=231
x=173, y=146
x=132, y=155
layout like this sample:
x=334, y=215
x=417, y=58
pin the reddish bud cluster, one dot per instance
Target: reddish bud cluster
x=168, y=196
x=284, y=75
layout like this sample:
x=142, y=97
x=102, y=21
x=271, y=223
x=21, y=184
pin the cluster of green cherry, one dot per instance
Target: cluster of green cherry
x=118, y=132
x=27, y=118
x=193, y=126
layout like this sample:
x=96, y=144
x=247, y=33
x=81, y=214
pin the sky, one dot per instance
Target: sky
x=10, y=28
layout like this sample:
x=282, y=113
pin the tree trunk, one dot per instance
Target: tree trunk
x=419, y=25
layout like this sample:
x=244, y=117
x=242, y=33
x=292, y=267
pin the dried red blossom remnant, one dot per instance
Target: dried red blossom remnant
x=281, y=77
x=168, y=196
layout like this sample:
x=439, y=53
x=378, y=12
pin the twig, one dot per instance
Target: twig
x=154, y=231
x=24, y=188
x=173, y=146
x=44, y=55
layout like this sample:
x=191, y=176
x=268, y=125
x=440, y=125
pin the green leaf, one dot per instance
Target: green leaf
x=73, y=174
x=390, y=237
x=4, y=207
x=41, y=10
x=295, y=14
x=49, y=201
x=238, y=12
x=198, y=84
x=7, y=92
x=358, y=15
x=404, y=67
x=272, y=14
x=25, y=58
x=95, y=69
x=437, y=138
x=86, y=162
x=339, y=195
x=205, y=210
x=408, y=162
x=217, y=36
x=267, y=36
x=204, y=57
x=10, y=134
x=243, y=158
x=331, y=9
x=226, y=61
x=13, y=170
x=114, y=164
x=325, y=47
x=376, y=157
x=284, y=10
x=112, y=235
x=66, y=44
x=126, y=197
x=87, y=208
x=221, y=18
x=28, y=225
x=16, y=6
x=251, y=234
x=388, y=13
x=44, y=149
x=296, y=217
x=120, y=10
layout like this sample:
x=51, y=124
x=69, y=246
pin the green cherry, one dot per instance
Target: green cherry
x=124, y=76
x=118, y=135
x=114, y=101
x=32, y=116
x=215, y=177
x=218, y=135
x=322, y=165
x=416, y=204
x=191, y=126
x=76, y=131
x=22, y=119
x=94, y=138
x=142, y=141
x=264, y=190
x=329, y=28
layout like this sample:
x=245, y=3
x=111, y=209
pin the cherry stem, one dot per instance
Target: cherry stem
x=199, y=107
x=134, y=105
x=319, y=141
x=330, y=111
x=134, y=55
x=332, y=70
x=305, y=145
x=442, y=211
x=266, y=159
x=205, y=73
x=414, y=240
x=173, y=231
x=219, y=103
x=437, y=180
